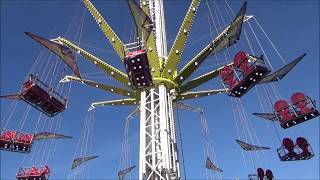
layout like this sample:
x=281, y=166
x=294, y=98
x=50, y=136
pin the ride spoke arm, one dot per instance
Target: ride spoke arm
x=225, y=39
x=142, y=20
x=104, y=87
x=178, y=46
x=115, y=41
x=151, y=46
x=201, y=79
x=197, y=94
x=120, y=102
x=112, y=71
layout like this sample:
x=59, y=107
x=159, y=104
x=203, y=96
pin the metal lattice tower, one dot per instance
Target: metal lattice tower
x=158, y=146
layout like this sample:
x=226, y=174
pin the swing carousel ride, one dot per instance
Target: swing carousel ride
x=157, y=82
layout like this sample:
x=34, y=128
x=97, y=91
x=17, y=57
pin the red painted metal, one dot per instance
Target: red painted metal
x=300, y=101
x=43, y=98
x=289, y=145
x=8, y=135
x=269, y=174
x=227, y=76
x=33, y=173
x=282, y=109
x=16, y=141
x=241, y=61
x=260, y=173
x=303, y=144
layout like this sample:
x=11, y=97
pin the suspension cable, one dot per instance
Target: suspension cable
x=181, y=144
x=237, y=128
x=9, y=114
x=274, y=47
x=258, y=41
x=24, y=117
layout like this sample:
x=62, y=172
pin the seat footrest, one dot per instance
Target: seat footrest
x=253, y=78
x=300, y=119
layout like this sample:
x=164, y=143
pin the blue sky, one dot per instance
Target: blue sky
x=293, y=27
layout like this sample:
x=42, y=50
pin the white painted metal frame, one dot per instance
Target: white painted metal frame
x=157, y=16
x=158, y=146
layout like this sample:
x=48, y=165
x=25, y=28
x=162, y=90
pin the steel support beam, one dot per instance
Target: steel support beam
x=158, y=146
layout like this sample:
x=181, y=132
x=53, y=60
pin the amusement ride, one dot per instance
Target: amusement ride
x=155, y=85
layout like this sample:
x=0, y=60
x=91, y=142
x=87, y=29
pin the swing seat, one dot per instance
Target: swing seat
x=295, y=152
x=301, y=110
x=287, y=152
x=23, y=143
x=249, y=73
x=137, y=66
x=43, y=98
x=15, y=141
x=6, y=139
x=33, y=173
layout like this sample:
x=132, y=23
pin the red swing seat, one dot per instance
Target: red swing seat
x=16, y=141
x=33, y=173
x=248, y=74
x=301, y=110
x=43, y=98
x=6, y=139
x=294, y=152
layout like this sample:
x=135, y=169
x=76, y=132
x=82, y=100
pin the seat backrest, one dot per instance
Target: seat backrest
x=227, y=75
x=240, y=58
x=302, y=142
x=9, y=135
x=27, y=138
x=269, y=174
x=241, y=61
x=288, y=144
x=260, y=173
x=45, y=170
x=300, y=100
x=33, y=171
x=282, y=108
